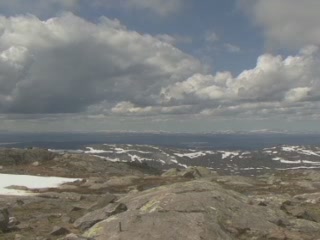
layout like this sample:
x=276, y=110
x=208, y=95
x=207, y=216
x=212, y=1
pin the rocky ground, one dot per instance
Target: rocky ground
x=133, y=201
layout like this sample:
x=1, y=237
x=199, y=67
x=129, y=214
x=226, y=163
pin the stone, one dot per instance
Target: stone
x=92, y=218
x=196, y=172
x=58, y=231
x=66, y=219
x=24, y=226
x=35, y=164
x=4, y=219
x=13, y=221
x=189, y=174
x=173, y=172
x=73, y=236
x=103, y=201
x=19, y=237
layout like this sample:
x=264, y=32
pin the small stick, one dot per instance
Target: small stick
x=120, y=227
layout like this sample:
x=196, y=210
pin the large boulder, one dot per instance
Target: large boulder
x=197, y=210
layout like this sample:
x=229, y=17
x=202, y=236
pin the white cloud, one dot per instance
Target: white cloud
x=66, y=64
x=127, y=108
x=286, y=23
x=275, y=86
x=298, y=94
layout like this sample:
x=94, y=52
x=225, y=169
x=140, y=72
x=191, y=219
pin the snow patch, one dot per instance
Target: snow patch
x=34, y=182
x=191, y=155
x=96, y=151
x=286, y=161
x=289, y=148
x=140, y=159
x=308, y=152
x=108, y=159
x=63, y=151
x=228, y=154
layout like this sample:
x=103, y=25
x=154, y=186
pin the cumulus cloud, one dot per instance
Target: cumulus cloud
x=67, y=64
x=275, y=86
x=286, y=23
x=127, y=108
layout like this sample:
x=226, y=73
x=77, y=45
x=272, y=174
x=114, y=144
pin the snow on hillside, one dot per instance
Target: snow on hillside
x=230, y=162
x=33, y=182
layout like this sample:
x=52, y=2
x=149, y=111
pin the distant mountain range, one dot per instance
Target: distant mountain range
x=229, y=131
x=228, y=162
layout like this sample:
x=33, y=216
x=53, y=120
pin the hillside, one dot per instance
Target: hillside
x=119, y=200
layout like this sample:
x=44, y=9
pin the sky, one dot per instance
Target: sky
x=159, y=65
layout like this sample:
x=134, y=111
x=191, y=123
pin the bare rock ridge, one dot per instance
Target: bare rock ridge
x=116, y=200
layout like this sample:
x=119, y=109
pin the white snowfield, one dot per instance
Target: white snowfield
x=34, y=182
x=63, y=151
